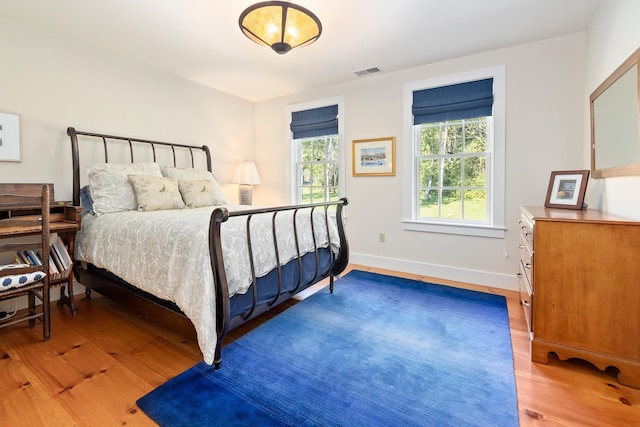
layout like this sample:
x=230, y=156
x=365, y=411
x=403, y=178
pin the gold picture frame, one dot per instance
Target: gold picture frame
x=374, y=157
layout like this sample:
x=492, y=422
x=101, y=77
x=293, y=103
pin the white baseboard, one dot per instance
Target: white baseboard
x=475, y=277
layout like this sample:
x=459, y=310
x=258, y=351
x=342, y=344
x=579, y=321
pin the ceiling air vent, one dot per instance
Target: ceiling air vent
x=368, y=71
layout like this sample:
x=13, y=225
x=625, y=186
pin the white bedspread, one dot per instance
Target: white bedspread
x=166, y=253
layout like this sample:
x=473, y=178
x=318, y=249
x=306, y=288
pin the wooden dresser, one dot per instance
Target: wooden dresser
x=580, y=287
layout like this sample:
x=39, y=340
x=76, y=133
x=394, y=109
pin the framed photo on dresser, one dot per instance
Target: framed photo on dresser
x=567, y=189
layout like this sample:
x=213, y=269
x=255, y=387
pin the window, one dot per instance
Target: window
x=317, y=169
x=317, y=165
x=455, y=167
x=452, y=170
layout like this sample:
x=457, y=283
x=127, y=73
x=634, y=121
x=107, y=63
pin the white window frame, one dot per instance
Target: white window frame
x=495, y=226
x=293, y=178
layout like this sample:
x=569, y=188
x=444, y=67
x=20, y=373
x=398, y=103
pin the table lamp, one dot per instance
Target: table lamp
x=246, y=175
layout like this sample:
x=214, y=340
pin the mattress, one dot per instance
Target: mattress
x=166, y=253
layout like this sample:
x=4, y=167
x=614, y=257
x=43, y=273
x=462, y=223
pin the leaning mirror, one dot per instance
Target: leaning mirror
x=615, y=123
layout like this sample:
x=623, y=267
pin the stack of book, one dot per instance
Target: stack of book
x=59, y=260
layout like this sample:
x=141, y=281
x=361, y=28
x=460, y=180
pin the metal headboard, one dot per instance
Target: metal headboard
x=105, y=139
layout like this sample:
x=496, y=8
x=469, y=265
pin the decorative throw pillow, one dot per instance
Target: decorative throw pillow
x=18, y=280
x=111, y=190
x=155, y=193
x=197, y=193
x=191, y=174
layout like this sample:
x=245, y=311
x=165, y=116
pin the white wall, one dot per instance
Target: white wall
x=612, y=36
x=545, y=132
x=54, y=83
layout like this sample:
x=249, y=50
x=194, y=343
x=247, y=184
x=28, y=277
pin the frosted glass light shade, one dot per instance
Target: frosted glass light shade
x=280, y=25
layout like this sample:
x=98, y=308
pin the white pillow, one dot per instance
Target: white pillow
x=198, y=193
x=111, y=190
x=155, y=193
x=184, y=174
x=19, y=280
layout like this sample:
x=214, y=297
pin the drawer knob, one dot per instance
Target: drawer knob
x=525, y=303
x=519, y=275
x=527, y=265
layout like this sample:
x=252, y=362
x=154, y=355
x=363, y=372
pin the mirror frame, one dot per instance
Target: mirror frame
x=625, y=170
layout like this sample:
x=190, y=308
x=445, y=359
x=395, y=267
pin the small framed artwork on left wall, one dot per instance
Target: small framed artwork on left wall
x=10, y=147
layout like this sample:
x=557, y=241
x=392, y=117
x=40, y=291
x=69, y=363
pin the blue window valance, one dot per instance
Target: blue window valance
x=315, y=122
x=453, y=102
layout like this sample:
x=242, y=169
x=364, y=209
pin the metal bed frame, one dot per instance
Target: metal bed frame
x=225, y=320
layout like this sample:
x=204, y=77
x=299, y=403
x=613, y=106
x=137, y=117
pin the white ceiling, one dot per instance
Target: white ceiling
x=200, y=39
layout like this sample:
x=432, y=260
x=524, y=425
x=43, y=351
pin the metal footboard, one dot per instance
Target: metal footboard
x=338, y=262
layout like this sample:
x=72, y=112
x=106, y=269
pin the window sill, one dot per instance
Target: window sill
x=453, y=228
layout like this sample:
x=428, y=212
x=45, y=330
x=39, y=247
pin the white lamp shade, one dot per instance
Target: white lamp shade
x=246, y=173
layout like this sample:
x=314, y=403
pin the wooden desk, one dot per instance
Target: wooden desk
x=65, y=221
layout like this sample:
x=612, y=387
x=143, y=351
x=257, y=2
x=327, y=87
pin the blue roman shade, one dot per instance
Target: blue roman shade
x=453, y=102
x=315, y=122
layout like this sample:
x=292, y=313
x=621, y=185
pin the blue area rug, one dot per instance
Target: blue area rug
x=379, y=351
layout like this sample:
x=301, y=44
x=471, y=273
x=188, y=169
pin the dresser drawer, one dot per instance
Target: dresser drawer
x=526, y=297
x=526, y=228
x=526, y=260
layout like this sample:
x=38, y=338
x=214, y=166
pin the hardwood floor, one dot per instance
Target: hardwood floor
x=100, y=361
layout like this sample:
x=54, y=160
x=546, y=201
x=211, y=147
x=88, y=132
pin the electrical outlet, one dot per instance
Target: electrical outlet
x=381, y=237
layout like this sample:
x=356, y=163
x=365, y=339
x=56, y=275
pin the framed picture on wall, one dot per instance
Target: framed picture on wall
x=374, y=157
x=566, y=189
x=10, y=150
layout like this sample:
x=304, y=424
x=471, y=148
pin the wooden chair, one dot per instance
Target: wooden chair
x=20, y=279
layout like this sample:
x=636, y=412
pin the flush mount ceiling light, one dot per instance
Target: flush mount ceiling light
x=280, y=25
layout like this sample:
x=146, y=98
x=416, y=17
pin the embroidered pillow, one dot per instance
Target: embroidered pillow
x=155, y=193
x=111, y=190
x=191, y=174
x=197, y=193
